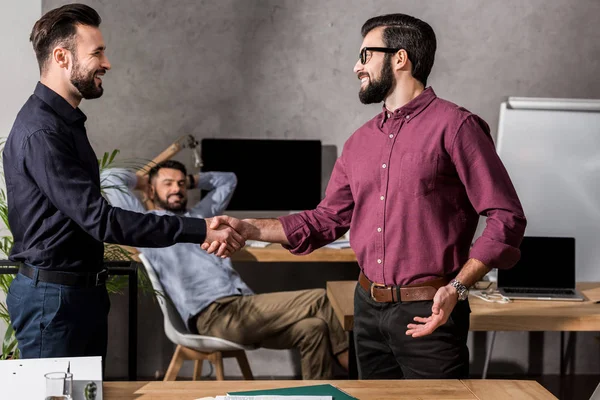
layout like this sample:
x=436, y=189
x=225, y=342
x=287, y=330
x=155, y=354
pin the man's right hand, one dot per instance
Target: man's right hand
x=266, y=230
x=245, y=229
x=223, y=238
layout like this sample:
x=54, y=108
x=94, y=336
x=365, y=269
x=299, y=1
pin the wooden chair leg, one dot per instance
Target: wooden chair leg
x=175, y=365
x=198, y=370
x=217, y=359
x=244, y=365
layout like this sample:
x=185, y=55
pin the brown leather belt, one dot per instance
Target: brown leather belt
x=392, y=294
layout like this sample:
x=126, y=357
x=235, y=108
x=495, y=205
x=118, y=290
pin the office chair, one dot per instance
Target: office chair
x=191, y=346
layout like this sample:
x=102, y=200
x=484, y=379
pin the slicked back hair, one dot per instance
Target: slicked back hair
x=58, y=27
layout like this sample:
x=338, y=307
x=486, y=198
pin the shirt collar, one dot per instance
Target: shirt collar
x=410, y=109
x=59, y=104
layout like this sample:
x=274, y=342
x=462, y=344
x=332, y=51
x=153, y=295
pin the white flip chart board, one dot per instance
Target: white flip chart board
x=551, y=149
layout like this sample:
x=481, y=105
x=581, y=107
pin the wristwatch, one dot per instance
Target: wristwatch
x=463, y=292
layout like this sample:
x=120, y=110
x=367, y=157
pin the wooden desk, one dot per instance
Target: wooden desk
x=276, y=253
x=364, y=390
x=519, y=315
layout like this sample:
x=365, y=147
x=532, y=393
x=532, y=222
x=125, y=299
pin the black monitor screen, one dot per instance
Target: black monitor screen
x=546, y=262
x=272, y=174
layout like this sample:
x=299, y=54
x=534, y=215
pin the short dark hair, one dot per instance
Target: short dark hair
x=171, y=164
x=59, y=26
x=411, y=34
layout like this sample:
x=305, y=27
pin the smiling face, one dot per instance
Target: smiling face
x=168, y=190
x=376, y=75
x=89, y=62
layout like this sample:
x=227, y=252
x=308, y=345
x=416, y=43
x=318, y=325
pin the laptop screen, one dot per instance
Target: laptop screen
x=546, y=262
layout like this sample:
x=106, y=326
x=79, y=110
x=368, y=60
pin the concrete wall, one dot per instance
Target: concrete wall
x=283, y=69
x=18, y=72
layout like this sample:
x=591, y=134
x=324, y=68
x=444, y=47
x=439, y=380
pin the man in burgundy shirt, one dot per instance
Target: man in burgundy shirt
x=410, y=185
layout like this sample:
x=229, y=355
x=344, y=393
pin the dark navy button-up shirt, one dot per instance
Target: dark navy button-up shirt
x=57, y=215
x=411, y=185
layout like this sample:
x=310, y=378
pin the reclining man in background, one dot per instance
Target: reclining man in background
x=209, y=294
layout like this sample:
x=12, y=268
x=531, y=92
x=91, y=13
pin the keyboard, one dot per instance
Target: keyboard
x=540, y=291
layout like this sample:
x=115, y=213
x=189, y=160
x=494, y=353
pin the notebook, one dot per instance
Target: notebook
x=546, y=271
x=314, y=390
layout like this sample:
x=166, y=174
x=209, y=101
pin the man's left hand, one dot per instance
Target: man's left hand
x=443, y=303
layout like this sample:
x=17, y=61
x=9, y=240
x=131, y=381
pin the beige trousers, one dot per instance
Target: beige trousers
x=302, y=319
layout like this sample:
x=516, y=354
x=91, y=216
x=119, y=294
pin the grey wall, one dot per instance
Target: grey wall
x=18, y=76
x=283, y=69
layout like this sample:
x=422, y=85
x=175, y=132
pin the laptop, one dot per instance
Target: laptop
x=546, y=271
x=596, y=394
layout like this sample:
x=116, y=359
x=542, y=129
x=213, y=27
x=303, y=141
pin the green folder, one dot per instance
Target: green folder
x=315, y=390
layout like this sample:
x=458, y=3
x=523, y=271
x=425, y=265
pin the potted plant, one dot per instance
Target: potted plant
x=112, y=252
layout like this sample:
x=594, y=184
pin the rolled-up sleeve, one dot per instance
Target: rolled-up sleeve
x=491, y=193
x=117, y=187
x=52, y=163
x=220, y=186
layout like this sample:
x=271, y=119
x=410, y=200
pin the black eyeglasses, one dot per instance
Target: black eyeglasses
x=367, y=52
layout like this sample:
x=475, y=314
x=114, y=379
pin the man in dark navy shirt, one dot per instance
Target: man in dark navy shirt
x=58, y=302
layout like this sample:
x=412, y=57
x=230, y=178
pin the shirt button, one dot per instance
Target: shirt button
x=407, y=117
x=379, y=261
x=381, y=198
x=378, y=229
x=391, y=136
x=383, y=166
x=389, y=115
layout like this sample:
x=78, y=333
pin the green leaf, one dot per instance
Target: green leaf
x=113, y=155
x=9, y=344
x=104, y=159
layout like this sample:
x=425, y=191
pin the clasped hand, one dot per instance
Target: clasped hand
x=224, y=235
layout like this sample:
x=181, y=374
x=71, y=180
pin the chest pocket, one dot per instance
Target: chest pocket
x=418, y=173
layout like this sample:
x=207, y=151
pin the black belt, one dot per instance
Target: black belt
x=84, y=279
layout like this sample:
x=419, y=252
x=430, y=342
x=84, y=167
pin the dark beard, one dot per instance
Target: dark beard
x=85, y=84
x=166, y=206
x=376, y=91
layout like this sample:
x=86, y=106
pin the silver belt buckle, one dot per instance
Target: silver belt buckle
x=104, y=273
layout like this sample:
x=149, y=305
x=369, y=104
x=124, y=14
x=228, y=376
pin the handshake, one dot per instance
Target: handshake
x=225, y=235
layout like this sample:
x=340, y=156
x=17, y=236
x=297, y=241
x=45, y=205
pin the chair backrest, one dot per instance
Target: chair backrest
x=175, y=329
x=172, y=318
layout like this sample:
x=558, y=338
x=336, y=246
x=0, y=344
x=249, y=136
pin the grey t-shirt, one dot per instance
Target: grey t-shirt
x=191, y=277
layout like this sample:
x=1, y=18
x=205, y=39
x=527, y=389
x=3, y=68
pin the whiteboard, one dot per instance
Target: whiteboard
x=551, y=149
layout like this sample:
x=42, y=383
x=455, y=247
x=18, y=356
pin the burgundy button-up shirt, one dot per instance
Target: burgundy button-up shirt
x=410, y=185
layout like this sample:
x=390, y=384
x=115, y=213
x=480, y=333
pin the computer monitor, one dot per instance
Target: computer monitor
x=275, y=176
x=546, y=262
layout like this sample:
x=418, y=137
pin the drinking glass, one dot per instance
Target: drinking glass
x=59, y=385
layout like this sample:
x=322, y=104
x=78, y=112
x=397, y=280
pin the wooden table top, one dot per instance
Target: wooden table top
x=364, y=390
x=276, y=253
x=519, y=315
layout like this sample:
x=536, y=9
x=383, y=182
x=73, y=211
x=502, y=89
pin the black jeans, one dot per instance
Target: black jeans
x=384, y=351
x=52, y=320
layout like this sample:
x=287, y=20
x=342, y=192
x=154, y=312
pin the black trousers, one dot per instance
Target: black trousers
x=384, y=351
